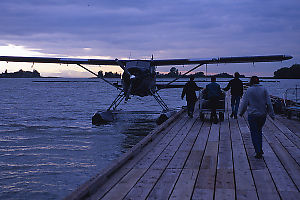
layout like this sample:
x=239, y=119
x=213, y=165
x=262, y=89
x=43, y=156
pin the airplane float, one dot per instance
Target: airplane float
x=139, y=76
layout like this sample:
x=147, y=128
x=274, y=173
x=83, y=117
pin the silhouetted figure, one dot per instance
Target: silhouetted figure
x=213, y=94
x=236, y=86
x=189, y=90
x=258, y=102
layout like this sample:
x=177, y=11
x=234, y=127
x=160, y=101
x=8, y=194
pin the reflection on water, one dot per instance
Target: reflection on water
x=137, y=131
x=48, y=146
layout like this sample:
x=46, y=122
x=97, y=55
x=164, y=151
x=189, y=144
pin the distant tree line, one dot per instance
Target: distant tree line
x=292, y=72
x=174, y=73
x=21, y=74
x=109, y=74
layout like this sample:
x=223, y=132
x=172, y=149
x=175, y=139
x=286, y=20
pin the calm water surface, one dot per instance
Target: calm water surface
x=48, y=146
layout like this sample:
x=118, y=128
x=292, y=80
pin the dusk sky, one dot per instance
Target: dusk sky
x=136, y=29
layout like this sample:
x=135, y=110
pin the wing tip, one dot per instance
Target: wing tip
x=287, y=57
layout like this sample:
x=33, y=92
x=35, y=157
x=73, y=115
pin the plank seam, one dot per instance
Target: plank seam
x=216, y=172
x=233, y=167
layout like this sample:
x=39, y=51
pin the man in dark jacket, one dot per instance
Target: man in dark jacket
x=189, y=90
x=213, y=94
x=236, y=86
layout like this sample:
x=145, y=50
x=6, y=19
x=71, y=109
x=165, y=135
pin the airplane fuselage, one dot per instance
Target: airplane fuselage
x=141, y=79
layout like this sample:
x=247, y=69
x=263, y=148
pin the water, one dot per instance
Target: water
x=48, y=146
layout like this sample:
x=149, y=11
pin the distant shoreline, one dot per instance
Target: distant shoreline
x=42, y=77
x=21, y=74
x=51, y=77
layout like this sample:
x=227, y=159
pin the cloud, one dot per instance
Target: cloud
x=165, y=28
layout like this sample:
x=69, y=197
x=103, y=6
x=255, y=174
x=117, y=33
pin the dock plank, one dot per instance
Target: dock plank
x=280, y=133
x=196, y=155
x=244, y=183
x=285, y=157
x=205, y=182
x=122, y=188
x=165, y=184
x=185, y=184
x=185, y=148
x=265, y=186
x=289, y=163
x=225, y=188
x=177, y=161
x=293, y=125
x=287, y=132
x=283, y=182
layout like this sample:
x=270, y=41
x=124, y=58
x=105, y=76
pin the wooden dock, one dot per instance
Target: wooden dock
x=186, y=158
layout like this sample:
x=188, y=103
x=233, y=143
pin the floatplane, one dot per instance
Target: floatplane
x=139, y=76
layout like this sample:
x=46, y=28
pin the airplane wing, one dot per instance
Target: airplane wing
x=245, y=59
x=58, y=60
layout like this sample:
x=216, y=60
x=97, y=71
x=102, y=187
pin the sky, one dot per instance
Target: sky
x=138, y=29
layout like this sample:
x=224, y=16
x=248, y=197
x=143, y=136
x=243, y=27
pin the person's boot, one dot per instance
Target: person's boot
x=231, y=115
x=259, y=155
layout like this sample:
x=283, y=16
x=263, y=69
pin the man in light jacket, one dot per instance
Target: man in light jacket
x=258, y=102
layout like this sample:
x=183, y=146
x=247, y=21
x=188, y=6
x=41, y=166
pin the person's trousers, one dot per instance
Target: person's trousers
x=213, y=104
x=235, y=102
x=190, y=107
x=256, y=124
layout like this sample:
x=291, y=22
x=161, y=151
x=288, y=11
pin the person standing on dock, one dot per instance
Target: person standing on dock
x=213, y=94
x=236, y=86
x=189, y=90
x=258, y=102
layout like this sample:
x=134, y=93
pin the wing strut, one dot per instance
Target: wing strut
x=179, y=77
x=100, y=77
x=117, y=101
x=160, y=101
